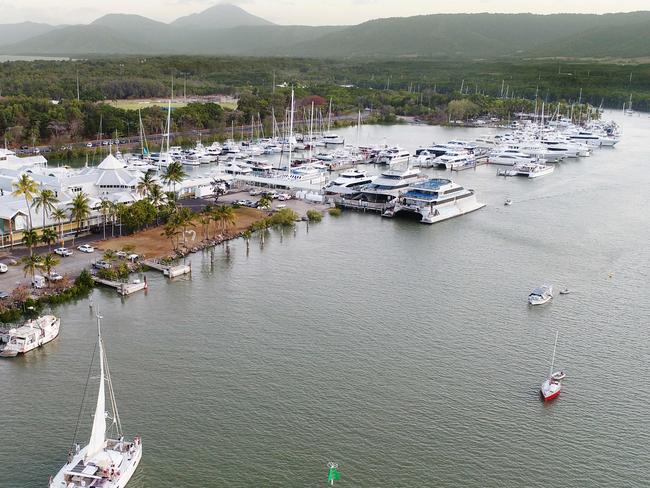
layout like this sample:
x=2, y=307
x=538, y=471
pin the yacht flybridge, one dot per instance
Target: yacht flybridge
x=435, y=200
x=33, y=334
x=105, y=462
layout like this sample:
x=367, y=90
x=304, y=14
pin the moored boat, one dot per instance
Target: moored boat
x=541, y=295
x=32, y=334
x=552, y=387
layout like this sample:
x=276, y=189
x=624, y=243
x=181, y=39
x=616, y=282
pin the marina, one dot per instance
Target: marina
x=401, y=388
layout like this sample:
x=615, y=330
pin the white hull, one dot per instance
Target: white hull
x=30, y=336
x=66, y=478
x=432, y=214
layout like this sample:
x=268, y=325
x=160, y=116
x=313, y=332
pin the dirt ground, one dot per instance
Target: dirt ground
x=151, y=244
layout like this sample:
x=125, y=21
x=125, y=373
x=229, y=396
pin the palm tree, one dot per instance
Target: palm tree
x=59, y=215
x=26, y=187
x=48, y=262
x=105, y=209
x=49, y=236
x=145, y=184
x=174, y=174
x=264, y=201
x=30, y=264
x=171, y=230
x=30, y=239
x=157, y=198
x=216, y=214
x=228, y=218
x=46, y=200
x=79, y=210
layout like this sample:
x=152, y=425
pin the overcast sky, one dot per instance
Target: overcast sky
x=309, y=12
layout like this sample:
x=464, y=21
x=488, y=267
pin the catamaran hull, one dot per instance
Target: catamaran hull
x=433, y=216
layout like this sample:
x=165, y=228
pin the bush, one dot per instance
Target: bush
x=335, y=211
x=314, y=216
x=283, y=218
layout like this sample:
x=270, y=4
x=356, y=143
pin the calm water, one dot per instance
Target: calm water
x=406, y=353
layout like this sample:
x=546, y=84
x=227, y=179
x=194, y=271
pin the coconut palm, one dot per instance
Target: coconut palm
x=228, y=218
x=49, y=237
x=143, y=186
x=27, y=188
x=174, y=174
x=59, y=215
x=79, y=210
x=170, y=231
x=30, y=264
x=264, y=201
x=30, y=239
x=48, y=262
x=105, y=209
x=157, y=198
x=45, y=201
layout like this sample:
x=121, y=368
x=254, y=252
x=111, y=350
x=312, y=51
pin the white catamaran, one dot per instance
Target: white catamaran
x=104, y=462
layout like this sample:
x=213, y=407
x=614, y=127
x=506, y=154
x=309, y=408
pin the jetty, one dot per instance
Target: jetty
x=122, y=288
x=167, y=270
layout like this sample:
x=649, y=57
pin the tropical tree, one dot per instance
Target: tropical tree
x=264, y=201
x=59, y=215
x=49, y=237
x=105, y=209
x=174, y=174
x=79, y=210
x=46, y=201
x=30, y=239
x=30, y=264
x=48, y=262
x=26, y=187
x=145, y=184
x=228, y=218
x=170, y=231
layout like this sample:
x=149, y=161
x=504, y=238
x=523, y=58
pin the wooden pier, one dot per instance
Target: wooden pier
x=123, y=289
x=169, y=271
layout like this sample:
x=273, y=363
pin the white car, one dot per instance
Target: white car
x=53, y=276
x=284, y=197
x=120, y=254
x=3, y=268
x=63, y=251
x=86, y=248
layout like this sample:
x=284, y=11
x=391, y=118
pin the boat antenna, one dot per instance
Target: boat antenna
x=557, y=332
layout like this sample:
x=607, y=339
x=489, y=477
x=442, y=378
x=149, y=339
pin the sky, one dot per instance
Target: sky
x=304, y=12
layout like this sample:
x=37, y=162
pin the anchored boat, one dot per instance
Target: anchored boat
x=553, y=385
x=105, y=462
x=541, y=295
x=33, y=334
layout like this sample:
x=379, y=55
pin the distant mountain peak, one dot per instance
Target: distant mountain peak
x=221, y=16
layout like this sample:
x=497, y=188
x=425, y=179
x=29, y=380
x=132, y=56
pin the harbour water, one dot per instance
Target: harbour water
x=406, y=353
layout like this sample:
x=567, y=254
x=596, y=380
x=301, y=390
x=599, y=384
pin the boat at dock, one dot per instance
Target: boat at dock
x=435, y=200
x=349, y=180
x=105, y=462
x=552, y=387
x=32, y=334
x=383, y=190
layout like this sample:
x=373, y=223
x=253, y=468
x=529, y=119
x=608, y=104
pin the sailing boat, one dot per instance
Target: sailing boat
x=553, y=385
x=104, y=462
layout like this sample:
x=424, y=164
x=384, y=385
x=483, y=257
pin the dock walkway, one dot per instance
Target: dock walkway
x=123, y=288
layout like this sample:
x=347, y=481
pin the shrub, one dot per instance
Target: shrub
x=314, y=216
x=335, y=211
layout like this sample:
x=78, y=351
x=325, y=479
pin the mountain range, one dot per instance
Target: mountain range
x=229, y=30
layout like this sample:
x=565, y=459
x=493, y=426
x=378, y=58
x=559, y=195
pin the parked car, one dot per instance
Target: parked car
x=53, y=276
x=63, y=251
x=102, y=264
x=3, y=268
x=120, y=254
x=86, y=248
x=89, y=144
x=38, y=281
x=3, y=295
x=133, y=257
x=284, y=197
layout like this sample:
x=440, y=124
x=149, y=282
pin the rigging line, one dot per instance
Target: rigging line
x=83, y=398
x=116, y=415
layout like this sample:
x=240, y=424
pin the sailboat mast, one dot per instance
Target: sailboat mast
x=554, y=347
x=290, y=128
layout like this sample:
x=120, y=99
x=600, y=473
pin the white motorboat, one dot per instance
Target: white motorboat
x=393, y=156
x=508, y=202
x=565, y=291
x=348, y=180
x=532, y=170
x=331, y=138
x=455, y=159
x=541, y=295
x=552, y=386
x=509, y=157
x=383, y=189
x=32, y=334
x=105, y=462
x=435, y=200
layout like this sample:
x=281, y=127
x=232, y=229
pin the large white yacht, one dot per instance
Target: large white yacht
x=105, y=462
x=454, y=159
x=383, y=190
x=435, y=200
x=33, y=334
x=331, y=138
x=350, y=179
x=393, y=156
x=509, y=157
